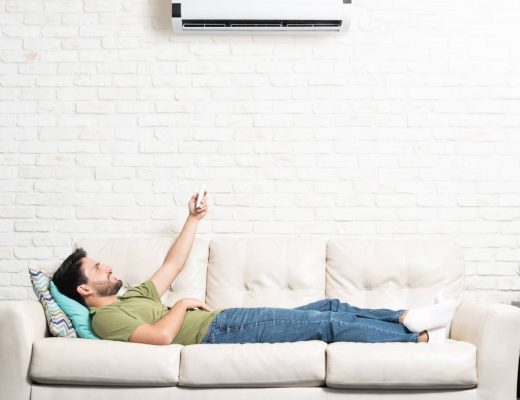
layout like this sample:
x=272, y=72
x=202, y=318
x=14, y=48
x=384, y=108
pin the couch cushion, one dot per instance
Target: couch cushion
x=77, y=312
x=103, y=362
x=393, y=274
x=136, y=259
x=254, y=364
x=402, y=365
x=265, y=271
x=58, y=322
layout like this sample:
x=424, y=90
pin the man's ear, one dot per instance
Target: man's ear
x=84, y=290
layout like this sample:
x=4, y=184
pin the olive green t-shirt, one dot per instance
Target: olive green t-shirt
x=142, y=305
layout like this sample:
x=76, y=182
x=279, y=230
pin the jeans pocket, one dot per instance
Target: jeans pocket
x=211, y=329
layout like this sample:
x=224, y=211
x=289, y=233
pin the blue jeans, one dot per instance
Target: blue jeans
x=328, y=320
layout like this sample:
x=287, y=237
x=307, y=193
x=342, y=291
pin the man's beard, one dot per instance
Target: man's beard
x=108, y=288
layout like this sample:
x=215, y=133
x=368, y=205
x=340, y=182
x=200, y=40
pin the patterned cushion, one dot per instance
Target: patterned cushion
x=58, y=322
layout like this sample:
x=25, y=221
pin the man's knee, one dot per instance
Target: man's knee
x=334, y=304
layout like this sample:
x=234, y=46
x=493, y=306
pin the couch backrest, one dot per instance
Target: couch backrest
x=135, y=259
x=265, y=271
x=288, y=271
x=393, y=273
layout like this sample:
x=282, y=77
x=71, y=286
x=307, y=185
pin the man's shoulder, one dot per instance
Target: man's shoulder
x=114, y=307
x=146, y=288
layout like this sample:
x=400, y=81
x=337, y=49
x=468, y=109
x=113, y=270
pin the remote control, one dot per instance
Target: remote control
x=201, y=196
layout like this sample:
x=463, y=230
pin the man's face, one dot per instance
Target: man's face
x=100, y=278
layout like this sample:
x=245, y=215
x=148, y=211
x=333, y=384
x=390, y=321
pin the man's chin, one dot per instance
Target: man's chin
x=118, y=285
x=109, y=288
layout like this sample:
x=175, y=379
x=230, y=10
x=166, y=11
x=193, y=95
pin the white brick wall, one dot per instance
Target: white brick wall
x=406, y=126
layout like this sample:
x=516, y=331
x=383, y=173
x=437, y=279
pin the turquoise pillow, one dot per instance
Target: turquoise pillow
x=78, y=313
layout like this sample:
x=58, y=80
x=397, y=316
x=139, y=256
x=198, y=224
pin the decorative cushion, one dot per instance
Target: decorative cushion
x=78, y=313
x=58, y=322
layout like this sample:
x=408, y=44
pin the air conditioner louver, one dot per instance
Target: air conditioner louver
x=244, y=24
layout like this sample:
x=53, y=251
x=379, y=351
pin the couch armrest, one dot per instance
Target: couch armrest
x=21, y=323
x=495, y=330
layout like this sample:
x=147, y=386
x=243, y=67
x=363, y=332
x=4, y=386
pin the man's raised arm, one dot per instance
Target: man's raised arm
x=180, y=250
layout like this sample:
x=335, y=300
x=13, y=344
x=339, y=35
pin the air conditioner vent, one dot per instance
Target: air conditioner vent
x=281, y=24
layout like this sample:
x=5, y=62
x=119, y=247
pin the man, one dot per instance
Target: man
x=139, y=316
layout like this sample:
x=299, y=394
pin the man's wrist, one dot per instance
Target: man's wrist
x=181, y=303
x=192, y=219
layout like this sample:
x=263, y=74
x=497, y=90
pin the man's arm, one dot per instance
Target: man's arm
x=180, y=250
x=176, y=257
x=165, y=330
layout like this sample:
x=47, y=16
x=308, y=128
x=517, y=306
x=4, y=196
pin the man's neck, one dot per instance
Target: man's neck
x=102, y=301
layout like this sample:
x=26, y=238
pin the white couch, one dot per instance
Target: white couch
x=478, y=361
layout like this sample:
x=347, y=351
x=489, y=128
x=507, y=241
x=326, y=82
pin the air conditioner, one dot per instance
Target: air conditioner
x=191, y=16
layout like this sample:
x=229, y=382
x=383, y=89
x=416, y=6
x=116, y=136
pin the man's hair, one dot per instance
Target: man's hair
x=69, y=276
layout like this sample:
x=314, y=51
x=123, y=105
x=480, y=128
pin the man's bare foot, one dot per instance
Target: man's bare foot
x=423, y=336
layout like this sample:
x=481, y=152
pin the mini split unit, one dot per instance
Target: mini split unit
x=260, y=15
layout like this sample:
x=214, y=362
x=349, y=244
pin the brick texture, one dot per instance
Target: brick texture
x=405, y=126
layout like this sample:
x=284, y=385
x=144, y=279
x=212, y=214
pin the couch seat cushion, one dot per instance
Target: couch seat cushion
x=253, y=364
x=57, y=360
x=449, y=365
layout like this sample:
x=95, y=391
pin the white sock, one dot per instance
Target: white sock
x=437, y=335
x=430, y=317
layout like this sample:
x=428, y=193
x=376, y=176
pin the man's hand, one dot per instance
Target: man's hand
x=203, y=210
x=192, y=303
